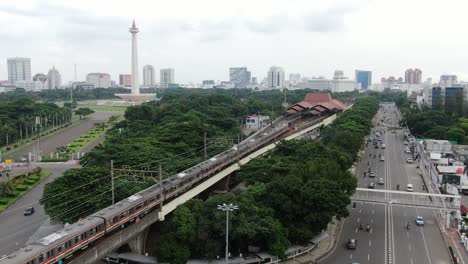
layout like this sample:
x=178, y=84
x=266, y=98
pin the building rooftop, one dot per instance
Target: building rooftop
x=314, y=103
x=449, y=169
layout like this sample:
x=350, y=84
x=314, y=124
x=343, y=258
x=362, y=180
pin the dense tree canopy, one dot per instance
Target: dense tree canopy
x=170, y=133
x=82, y=112
x=292, y=195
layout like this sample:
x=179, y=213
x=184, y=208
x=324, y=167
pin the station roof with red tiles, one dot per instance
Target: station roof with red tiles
x=316, y=103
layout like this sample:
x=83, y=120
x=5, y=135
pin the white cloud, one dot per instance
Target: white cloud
x=202, y=39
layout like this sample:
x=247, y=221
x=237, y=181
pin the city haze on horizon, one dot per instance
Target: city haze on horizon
x=202, y=39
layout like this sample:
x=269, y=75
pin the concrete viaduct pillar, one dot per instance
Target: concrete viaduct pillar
x=138, y=243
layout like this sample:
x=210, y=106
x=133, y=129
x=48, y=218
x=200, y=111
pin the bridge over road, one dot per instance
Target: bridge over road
x=409, y=199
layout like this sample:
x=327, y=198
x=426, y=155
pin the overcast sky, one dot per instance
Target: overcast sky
x=201, y=39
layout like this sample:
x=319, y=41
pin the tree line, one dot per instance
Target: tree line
x=22, y=118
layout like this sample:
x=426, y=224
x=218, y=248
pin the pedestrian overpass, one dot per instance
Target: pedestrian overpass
x=447, y=202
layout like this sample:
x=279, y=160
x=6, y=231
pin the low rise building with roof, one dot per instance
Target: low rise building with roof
x=317, y=104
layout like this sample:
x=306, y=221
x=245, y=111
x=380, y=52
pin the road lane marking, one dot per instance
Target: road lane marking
x=372, y=221
x=356, y=230
x=368, y=257
x=351, y=256
x=358, y=219
x=372, y=211
x=425, y=243
x=370, y=243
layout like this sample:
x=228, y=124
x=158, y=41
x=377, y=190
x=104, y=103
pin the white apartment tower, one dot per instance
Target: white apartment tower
x=99, y=80
x=275, y=77
x=19, y=69
x=166, y=77
x=54, y=79
x=148, y=75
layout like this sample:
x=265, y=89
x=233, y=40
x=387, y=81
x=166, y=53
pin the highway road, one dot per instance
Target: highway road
x=389, y=241
x=15, y=228
x=65, y=136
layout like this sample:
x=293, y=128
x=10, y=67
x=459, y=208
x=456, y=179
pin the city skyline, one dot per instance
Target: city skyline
x=334, y=35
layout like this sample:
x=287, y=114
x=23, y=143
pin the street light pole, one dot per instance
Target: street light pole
x=227, y=208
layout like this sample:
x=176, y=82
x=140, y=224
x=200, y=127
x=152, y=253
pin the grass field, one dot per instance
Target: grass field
x=105, y=108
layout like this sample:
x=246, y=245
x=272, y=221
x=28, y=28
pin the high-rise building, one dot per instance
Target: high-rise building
x=166, y=77
x=294, y=79
x=254, y=80
x=364, y=78
x=207, y=84
x=125, y=80
x=239, y=76
x=413, y=76
x=54, y=79
x=338, y=75
x=448, y=80
x=149, y=76
x=391, y=82
x=19, y=69
x=340, y=83
x=275, y=77
x=99, y=80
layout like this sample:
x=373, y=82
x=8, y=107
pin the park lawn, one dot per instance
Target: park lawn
x=22, y=185
x=106, y=108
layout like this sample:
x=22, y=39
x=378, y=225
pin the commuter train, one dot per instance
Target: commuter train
x=60, y=246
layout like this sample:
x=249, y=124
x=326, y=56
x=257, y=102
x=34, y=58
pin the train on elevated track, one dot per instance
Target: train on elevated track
x=60, y=246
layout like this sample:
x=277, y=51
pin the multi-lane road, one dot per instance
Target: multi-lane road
x=63, y=137
x=15, y=228
x=389, y=240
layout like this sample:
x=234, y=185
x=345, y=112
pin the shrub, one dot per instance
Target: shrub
x=34, y=177
x=12, y=195
x=3, y=201
x=54, y=160
x=30, y=181
x=8, y=148
x=15, y=145
x=19, y=181
x=21, y=187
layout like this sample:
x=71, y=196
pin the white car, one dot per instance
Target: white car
x=409, y=187
x=419, y=220
x=410, y=160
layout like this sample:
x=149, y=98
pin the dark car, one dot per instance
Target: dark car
x=371, y=185
x=29, y=211
x=351, y=244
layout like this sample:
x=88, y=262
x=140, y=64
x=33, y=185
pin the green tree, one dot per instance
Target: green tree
x=456, y=134
x=83, y=112
x=6, y=188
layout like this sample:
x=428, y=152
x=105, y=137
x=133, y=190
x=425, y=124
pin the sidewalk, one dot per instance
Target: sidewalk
x=322, y=249
x=452, y=238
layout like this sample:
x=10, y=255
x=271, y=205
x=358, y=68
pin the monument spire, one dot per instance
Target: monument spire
x=135, y=97
x=135, y=83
